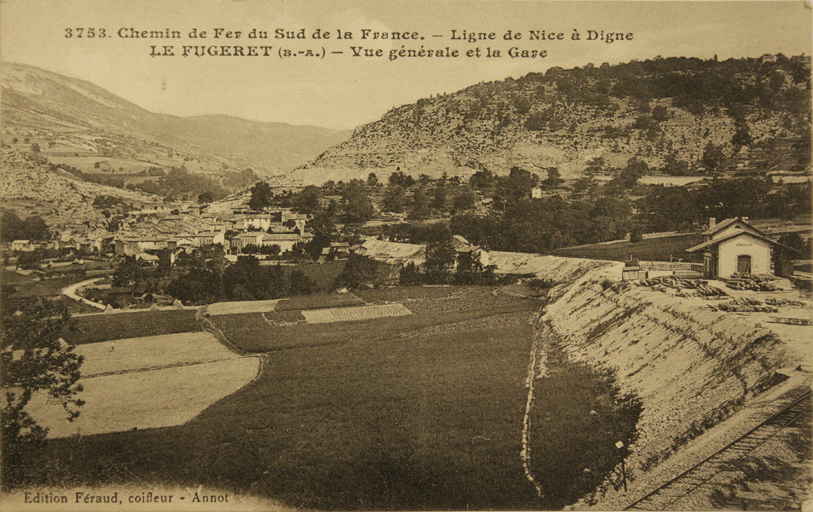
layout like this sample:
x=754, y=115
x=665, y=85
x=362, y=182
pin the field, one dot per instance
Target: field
x=149, y=382
x=655, y=249
x=243, y=306
x=156, y=398
x=422, y=411
x=106, y=327
x=323, y=274
x=27, y=287
x=318, y=300
x=354, y=314
x=252, y=333
x=127, y=355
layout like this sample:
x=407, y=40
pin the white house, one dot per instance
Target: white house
x=733, y=246
x=22, y=245
x=243, y=239
x=285, y=241
x=461, y=245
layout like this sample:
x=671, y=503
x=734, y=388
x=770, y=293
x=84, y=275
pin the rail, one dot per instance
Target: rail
x=699, y=474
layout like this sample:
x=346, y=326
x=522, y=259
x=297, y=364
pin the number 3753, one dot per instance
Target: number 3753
x=85, y=32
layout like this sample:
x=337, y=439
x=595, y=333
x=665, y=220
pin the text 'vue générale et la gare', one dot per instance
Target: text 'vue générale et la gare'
x=355, y=44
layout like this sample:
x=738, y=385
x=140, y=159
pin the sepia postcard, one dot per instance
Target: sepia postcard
x=406, y=255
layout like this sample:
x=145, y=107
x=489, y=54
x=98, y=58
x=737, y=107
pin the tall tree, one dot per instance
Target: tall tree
x=34, y=359
x=358, y=206
x=393, y=200
x=261, y=196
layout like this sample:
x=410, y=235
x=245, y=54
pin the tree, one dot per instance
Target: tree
x=128, y=274
x=674, y=166
x=372, y=180
x=554, y=177
x=470, y=270
x=198, y=285
x=322, y=227
x=517, y=184
x=713, y=157
x=308, y=199
x=635, y=169
x=482, y=179
x=398, y=178
x=11, y=227
x=420, y=205
x=439, y=196
x=393, y=200
x=205, y=197
x=741, y=137
x=464, y=200
x=358, y=207
x=440, y=257
x=261, y=196
x=357, y=271
x=34, y=359
x=300, y=284
x=32, y=228
x=409, y=275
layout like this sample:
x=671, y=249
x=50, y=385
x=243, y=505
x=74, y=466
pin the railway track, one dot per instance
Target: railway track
x=726, y=458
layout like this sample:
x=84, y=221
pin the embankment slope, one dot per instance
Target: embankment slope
x=690, y=366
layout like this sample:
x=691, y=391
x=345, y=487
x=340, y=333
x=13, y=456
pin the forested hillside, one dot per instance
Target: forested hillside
x=746, y=114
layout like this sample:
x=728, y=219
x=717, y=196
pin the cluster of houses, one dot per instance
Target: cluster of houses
x=151, y=229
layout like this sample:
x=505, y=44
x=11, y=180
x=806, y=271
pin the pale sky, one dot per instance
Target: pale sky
x=341, y=91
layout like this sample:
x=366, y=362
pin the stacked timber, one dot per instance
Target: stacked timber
x=699, y=287
x=755, y=282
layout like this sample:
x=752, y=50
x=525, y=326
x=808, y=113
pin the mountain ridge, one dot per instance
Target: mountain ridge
x=38, y=100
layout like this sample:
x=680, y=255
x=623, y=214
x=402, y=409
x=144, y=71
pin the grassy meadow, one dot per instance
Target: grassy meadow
x=115, y=326
x=423, y=411
x=655, y=249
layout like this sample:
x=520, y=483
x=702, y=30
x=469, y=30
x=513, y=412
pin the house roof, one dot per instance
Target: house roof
x=250, y=234
x=147, y=257
x=729, y=222
x=281, y=236
x=390, y=251
x=715, y=241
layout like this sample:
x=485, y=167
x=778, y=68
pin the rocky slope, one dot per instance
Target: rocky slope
x=565, y=118
x=29, y=187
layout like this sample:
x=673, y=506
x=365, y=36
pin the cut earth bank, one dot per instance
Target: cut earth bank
x=691, y=367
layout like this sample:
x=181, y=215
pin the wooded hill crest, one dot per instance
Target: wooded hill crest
x=756, y=111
